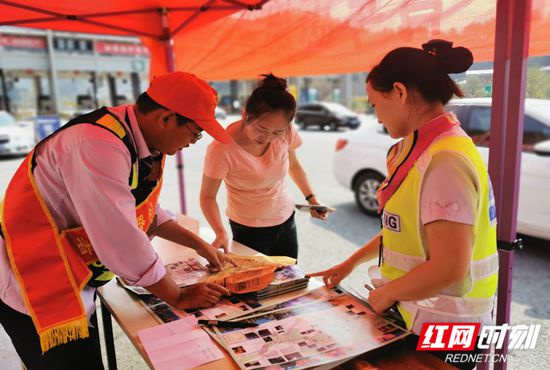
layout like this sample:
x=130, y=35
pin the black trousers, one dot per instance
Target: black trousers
x=278, y=240
x=82, y=354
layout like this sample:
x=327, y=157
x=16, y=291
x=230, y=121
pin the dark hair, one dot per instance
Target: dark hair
x=145, y=104
x=424, y=69
x=270, y=96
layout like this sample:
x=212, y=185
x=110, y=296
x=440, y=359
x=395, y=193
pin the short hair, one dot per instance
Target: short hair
x=146, y=105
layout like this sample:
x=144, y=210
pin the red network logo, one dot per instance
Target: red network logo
x=448, y=337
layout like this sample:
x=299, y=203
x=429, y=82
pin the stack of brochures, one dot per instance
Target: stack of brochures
x=287, y=279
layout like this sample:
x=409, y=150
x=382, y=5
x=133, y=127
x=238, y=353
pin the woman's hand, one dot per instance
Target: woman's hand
x=221, y=241
x=215, y=257
x=335, y=274
x=380, y=299
x=322, y=215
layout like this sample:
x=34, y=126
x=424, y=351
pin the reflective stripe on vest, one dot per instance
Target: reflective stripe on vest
x=404, y=249
x=479, y=269
x=113, y=125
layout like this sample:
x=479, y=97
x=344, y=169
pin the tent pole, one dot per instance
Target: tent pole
x=171, y=67
x=509, y=79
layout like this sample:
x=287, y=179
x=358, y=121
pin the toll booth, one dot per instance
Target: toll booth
x=43, y=72
x=44, y=105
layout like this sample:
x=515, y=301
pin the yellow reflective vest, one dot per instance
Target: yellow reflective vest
x=470, y=299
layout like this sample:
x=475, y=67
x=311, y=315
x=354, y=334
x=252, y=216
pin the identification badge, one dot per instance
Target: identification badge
x=391, y=221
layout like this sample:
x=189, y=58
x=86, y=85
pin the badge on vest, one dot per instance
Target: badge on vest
x=391, y=221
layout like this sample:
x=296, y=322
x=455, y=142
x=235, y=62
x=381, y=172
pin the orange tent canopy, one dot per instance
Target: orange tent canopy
x=156, y=21
x=224, y=39
x=292, y=38
x=118, y=17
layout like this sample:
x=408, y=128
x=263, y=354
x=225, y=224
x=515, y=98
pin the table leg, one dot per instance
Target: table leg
x=109, y=340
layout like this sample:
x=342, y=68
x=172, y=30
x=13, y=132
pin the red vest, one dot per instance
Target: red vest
x=52, y=267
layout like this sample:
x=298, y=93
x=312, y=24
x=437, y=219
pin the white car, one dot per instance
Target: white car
x=13, y=139
x=360, y=159
x=220, y=113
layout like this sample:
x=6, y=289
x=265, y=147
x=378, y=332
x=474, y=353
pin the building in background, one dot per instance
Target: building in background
x=45, y=72
x=62, y=73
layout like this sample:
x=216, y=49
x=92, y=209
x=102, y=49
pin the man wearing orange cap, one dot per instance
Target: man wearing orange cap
x=83, y=206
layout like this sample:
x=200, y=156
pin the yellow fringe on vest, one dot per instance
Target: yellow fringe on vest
x=61, y=334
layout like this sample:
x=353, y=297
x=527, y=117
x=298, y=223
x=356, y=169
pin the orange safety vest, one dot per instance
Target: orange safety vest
x=52, y=267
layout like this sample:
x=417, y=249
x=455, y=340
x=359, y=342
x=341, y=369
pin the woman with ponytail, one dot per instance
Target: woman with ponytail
x=254, y=167
x=437, y=258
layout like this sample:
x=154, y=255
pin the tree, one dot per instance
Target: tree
x=538, y=84
x=473, y=88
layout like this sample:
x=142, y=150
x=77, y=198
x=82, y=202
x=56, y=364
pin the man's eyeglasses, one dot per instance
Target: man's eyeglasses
x=197, y=135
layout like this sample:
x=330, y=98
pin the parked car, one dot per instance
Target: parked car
x=326, y=115
x=360, y=159
x=13, y=139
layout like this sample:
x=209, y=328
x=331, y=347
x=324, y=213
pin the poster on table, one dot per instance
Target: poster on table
x=308, y=335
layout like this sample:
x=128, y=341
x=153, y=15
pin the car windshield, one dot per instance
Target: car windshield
x=338, y=108
x=6, y=120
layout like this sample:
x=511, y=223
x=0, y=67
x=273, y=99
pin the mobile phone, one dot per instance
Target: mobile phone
x=317, y=207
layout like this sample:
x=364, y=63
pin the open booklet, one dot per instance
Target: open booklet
x=251, y=274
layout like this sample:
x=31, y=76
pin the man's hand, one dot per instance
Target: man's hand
x=200, y=295
x=215, y=257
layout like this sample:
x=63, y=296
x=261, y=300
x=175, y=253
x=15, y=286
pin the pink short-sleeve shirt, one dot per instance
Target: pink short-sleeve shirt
x=256, y=189
x=457, y=200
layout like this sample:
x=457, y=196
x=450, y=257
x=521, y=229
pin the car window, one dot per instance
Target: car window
x=461, y=112
x=479, y=125
x=315, y=108
x=338, y=108
x=534, y=131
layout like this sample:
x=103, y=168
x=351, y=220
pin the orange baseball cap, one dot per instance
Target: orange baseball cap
x=191, y=97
